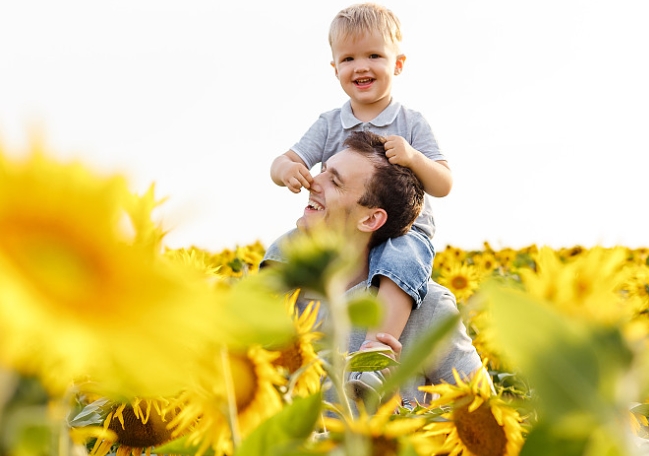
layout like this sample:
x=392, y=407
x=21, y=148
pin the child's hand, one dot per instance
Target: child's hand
x=296, y=176
x=398, y=151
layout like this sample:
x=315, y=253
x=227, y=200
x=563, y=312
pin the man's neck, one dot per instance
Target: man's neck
x=361, y=272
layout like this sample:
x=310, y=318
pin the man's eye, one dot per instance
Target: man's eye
x=335, y=182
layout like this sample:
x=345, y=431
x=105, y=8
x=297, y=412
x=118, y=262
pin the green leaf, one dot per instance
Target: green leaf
x=370, y=360
x=253, y=314
x=573, y=366
x=408, y=450
x=285, y=432
x=92, y=414
x=365, y=311
x=642, y=409
x=584, y=438
x=543, y=441
x=422, y=350
x=313, y=259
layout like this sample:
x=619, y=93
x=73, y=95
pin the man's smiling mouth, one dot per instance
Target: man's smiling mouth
x=314, y=206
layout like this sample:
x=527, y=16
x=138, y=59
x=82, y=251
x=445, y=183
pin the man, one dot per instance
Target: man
x=359, y=192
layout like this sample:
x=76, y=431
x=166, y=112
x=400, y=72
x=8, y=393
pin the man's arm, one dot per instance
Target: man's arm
x=434, y=175
x=288, y=170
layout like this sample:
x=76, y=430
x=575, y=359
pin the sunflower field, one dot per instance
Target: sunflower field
x=113, y=343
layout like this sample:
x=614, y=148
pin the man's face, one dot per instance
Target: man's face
x=334, y=193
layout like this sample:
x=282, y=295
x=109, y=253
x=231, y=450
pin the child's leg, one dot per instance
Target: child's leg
x=401, y=268
x=397, y=305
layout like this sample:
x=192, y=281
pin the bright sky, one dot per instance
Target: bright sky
x=542, y=108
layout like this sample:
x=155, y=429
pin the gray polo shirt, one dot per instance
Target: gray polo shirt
x=326, y=136
x=458, y=351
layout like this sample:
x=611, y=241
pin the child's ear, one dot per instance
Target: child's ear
x=373, y=221
x=333, y=64
x=398, y=67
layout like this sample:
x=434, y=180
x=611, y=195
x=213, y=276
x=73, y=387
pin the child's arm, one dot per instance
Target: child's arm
x=434, y=175
x=290, y=171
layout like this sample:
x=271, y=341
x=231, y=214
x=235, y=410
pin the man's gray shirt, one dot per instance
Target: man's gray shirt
x=457, y=351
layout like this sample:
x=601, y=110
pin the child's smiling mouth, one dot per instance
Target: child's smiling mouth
x=364, y=82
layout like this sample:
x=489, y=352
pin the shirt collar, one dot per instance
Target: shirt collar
x=386, y=117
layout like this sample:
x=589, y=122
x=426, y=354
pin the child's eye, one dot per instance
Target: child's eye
x=348, y=59
x=375, y=56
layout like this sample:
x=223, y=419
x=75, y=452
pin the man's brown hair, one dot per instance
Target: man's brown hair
x=393, y=188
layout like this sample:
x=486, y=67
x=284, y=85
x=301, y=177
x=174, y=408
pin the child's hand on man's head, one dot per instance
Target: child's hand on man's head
x=398, y=151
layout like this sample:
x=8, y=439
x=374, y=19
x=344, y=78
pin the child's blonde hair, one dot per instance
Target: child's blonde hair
x=364, y=18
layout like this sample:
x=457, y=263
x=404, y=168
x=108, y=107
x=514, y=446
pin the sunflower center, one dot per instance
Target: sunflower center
x=479, y=431
x=55, y=261
x=137, y=434
x=382, y=446
x=459, y=282
x=245, y=381
x=290, y=358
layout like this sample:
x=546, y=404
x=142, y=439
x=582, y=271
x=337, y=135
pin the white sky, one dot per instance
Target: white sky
x=542, y=108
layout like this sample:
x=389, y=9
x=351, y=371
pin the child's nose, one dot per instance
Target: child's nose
x=361, y=67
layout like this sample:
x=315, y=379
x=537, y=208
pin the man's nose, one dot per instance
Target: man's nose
x=316, y=187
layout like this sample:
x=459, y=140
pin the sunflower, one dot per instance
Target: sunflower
x=240, y=262
x=479, y=422
x=637, y=286
x=505, y=258
x=462, y=279
x=77, y=293
x=445, y=259
x=585, y=285
x=197, y=259
x=384, y=433
x=133, y=428
x=485, y=262
x=299, y=359
x=219, y=409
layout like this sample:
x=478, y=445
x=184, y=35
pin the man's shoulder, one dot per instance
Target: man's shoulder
x=437, y=292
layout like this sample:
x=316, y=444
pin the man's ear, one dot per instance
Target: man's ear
x=398, y=67
x=333, y=64
x=373, y=221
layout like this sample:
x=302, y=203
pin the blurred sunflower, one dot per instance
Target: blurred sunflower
x=445, y=259
x=148, y=234
x=298, y=359
x=505, y=258
x=485, y=262
x=587, y=285
x=70, y=276
x=238, y=263
x=384, y=433
x=135, y=428
x=462, y=279
x=639, y=256
x=219, y=409
x=637, y=286
x=479, y=422
x=197, y=259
